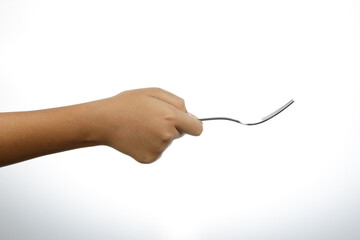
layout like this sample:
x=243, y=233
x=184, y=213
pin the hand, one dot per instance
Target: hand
x=142, y=123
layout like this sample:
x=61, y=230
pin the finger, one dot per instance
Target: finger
x=188, y=124
x=169, y=98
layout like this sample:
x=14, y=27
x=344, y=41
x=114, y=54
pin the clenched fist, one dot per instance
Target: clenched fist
x=142, y=123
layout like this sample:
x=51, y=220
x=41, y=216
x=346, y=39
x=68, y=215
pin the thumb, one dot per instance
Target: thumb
x=189, y=124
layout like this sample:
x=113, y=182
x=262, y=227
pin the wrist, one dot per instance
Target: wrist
x=89, y=124
x=98, y=121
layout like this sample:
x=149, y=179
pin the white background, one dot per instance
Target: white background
x=294, y=177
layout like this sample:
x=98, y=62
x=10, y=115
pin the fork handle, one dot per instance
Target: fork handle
x=219, y=118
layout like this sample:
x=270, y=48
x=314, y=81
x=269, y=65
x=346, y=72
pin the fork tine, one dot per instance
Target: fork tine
x=273, y=114
x=264, y=119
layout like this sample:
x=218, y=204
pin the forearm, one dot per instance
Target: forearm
x=26, y=135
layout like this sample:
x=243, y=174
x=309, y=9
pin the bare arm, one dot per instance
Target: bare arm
x=140, y=123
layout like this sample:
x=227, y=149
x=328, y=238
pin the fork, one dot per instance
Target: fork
x=264, y=119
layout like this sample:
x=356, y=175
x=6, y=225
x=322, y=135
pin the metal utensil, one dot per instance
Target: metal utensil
x=264, y=119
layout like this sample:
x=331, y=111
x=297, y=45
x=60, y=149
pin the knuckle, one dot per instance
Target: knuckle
x=170, y=114
x=156, y=89
x=147, y=159
x=166, y=137
x=150, y=155
x=181, y=103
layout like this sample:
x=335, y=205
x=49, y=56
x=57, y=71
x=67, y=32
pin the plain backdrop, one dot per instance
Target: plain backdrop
x=294, y=177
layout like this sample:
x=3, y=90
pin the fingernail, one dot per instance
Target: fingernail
x=195, y=117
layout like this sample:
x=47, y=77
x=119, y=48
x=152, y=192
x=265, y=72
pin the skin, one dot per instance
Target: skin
x=140, y=123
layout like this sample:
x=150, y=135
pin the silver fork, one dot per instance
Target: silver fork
x=264, y=119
